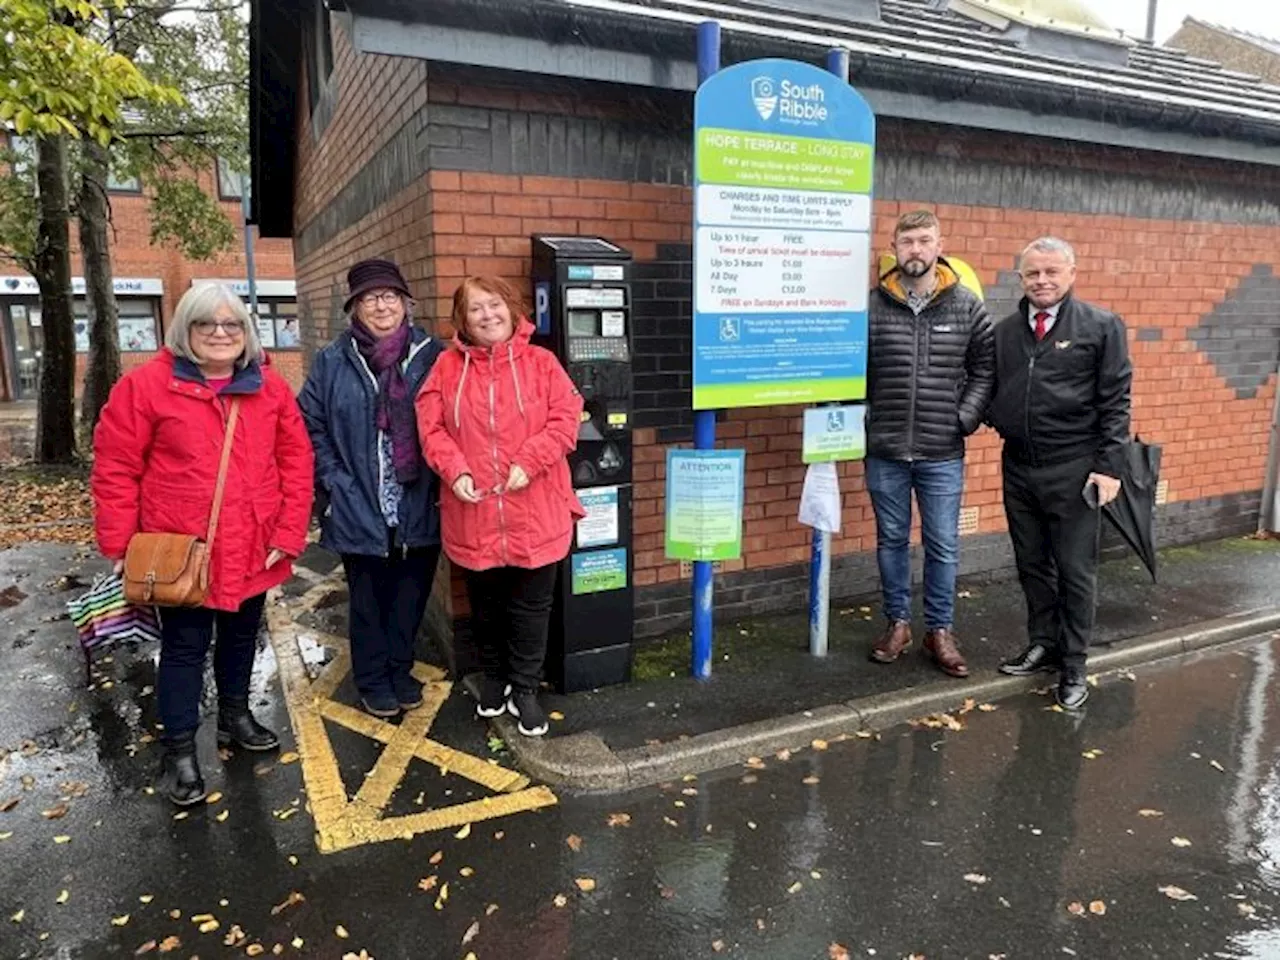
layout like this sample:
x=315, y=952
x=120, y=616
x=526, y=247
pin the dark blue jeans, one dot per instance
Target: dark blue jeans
x=186, y=633
x=938, y=487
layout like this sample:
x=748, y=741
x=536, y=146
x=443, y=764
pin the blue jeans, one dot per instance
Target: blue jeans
x=938, y=486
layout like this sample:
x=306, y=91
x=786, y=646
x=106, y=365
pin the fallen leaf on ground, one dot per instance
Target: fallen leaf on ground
x=750, y=778
x=619, y=820
x=1180, y=842
x=809, y=781
x=292, y=899
x=1148, y=812
x=978, y=878
x=436, y=857
x=56, y=812
x=222, y=817
x=717, y=946
x=473, y=931
x=467, y=872
x=560, y=900
x=1176, y=893
x=783, y=755
x=207, y=927
x=442, y=897
x=1246, y=909
x=755, y=763
x=864, y=734
x=665, y=892
x=7, y=805
x=6, y=835
x=427, y=884
x=585, y=884
x=968, y=706
x=63, y=897
x=255, y=950
x=819, y=744
x=17, y=917
x=795, y=887
x=213, y=798
x=490, y=910
x=1098, y=908
x=62, y=838
x=341, y=932
x=145, y=948
x=1217, y=766
x=988, y=707
x=1075, y=908
x=464, y=832
x=837, y=951
x=181, y=815
x=288, y=757
x=296, y=943
x=1091, y=754
x=556, y=715
x=169, y=944
x=146, y=898
x=574, y=842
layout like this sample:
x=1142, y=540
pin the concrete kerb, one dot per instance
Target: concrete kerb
x=584, y=762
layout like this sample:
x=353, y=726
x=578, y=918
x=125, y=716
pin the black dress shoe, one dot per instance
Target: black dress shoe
x=1073, y=689
x=179, y=771
x=1034, y=659
x=236, y=725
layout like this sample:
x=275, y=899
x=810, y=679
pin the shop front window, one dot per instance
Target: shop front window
x=137, y=324
x=278, y=324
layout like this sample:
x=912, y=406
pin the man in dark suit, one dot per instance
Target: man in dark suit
x=1062, y=406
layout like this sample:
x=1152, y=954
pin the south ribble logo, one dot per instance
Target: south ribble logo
x=765, y=96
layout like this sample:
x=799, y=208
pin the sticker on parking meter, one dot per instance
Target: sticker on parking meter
x=599, y=571
x=704, y=504
x=783, y=157
x=600, y=525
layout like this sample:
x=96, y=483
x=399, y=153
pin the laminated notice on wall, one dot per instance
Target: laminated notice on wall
x=820, y=498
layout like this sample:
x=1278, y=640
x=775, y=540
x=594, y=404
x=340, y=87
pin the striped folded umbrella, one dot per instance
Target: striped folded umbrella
x=102, y=616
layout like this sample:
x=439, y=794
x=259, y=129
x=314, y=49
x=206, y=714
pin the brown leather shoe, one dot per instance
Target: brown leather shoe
x=896, y=638
x=941, y=646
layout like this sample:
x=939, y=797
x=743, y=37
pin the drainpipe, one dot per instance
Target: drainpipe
x=1269, y=515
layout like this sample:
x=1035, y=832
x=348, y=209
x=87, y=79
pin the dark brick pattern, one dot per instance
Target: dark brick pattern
x=1242, y=334
x=662, y=304
x=752, y=593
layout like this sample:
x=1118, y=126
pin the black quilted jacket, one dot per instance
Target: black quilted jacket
x=930, y=377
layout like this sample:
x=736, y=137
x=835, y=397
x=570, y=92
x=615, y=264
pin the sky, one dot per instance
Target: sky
x=1256, y=16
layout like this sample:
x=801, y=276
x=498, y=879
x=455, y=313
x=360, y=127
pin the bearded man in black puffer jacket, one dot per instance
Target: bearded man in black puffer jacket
x=931, y=374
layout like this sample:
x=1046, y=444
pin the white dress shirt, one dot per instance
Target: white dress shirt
x=1032, y=310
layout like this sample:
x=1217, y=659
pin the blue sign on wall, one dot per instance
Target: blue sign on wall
x=783, y=160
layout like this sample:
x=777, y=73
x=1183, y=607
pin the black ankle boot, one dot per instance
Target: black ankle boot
x=236, y=725
x=179, y=771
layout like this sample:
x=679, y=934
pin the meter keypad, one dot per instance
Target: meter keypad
x=582, y=349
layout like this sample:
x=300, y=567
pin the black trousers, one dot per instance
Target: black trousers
x=185, y=635
x=388, y=596
x=510, y=613
x=1055, y=543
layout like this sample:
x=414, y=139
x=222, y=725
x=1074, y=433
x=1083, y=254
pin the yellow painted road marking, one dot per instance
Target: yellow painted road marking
x=342, y=823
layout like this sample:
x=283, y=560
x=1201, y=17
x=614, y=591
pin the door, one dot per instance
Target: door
x=24, y=338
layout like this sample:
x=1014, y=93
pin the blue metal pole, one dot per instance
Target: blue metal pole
x=704, y=421
x=820, y=555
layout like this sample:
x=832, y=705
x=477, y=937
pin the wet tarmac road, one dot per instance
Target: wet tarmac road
x=938, y=843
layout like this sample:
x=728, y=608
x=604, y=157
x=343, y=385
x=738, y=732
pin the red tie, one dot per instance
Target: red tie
x=1041, y=329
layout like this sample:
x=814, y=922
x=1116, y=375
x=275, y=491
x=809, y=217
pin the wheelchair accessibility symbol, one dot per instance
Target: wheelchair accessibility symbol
x=835, y=421
x=730, y=331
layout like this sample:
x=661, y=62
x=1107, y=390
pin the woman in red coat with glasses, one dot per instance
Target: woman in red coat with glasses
x=498, y=418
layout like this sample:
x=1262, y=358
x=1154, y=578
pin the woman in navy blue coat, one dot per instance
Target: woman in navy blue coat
x=382, y=515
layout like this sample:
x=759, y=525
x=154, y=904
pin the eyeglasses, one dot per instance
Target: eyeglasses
x=386, y=297
x=232, y=328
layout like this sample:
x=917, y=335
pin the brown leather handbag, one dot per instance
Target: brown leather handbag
x=172, y=569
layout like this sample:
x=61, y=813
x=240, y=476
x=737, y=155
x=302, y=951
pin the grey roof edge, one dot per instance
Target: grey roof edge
x=1161, y=128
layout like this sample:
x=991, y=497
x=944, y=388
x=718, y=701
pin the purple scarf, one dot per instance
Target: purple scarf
x=396, y=416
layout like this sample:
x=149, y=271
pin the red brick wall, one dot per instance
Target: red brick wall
x=1162, y=274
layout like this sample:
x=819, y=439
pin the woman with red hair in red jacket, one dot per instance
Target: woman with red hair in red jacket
x=156, y=453
x=498, y=418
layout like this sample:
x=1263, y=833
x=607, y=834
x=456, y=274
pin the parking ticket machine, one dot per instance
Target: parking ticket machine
x=582, y=310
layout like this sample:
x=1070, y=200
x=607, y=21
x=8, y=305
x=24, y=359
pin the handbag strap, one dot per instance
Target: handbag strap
x=218, y=489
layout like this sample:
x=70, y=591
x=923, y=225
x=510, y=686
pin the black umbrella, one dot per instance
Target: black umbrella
x=1132, y=512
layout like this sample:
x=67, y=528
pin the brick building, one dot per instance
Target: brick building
x=1237, y=49
x=149, y=281
x=443, y=135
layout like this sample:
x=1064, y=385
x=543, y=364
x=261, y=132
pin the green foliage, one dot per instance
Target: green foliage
x=185, y=216
x=58, y=76
x=18, y=208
